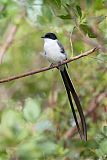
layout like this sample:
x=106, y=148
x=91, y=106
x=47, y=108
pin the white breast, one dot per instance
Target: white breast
x=52, y=51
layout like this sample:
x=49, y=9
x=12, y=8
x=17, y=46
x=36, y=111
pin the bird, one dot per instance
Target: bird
x=55, y=54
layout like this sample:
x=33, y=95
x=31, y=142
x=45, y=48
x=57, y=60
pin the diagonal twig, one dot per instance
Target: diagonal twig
x=48, y=68
x=10, y=34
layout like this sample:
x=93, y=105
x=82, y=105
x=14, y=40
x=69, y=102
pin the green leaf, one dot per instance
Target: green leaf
x=87, y=30
x=12, y=128
x=65, y=16
x=105, y=130
x=103, y=146
x=44, y=125
x=102, y=143
x=47, y=147
x=26, y=150
x=58, y=3
x=31, y=110
x=10, y=118
x=79, y=10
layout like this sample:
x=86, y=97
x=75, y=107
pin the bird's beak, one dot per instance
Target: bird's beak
x=42, y=37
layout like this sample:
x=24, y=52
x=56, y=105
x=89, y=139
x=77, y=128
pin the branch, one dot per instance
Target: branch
x=8, y=41
x=98, y=43
x=48, y=68
x=10, y=34
x=94, y=104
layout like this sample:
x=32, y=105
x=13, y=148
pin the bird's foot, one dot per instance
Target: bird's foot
x=51, y=65
x=59, y=64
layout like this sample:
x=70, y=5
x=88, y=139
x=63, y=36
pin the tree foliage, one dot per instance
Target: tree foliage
x=35, y=116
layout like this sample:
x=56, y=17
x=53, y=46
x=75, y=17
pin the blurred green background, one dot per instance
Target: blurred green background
x=36, y=121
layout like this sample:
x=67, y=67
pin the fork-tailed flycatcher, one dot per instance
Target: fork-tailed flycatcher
x=55, y=53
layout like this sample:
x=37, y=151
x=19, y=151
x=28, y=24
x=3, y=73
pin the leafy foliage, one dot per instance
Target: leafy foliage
x=29, y=139
x=35, y=116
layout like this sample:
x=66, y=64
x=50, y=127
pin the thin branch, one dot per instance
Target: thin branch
x=8, y=41
x=10, y=34
x=48, y=68
x=71, y=44
x=89, y=41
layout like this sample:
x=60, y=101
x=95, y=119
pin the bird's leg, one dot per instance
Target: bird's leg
x=51, y=65
x=59, y=64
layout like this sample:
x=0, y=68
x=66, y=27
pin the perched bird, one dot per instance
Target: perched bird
x=55, y=54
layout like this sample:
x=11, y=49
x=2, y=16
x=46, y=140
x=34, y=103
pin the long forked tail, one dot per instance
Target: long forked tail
x=70, y=88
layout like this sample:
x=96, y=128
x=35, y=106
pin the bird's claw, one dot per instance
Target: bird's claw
x=51, y=65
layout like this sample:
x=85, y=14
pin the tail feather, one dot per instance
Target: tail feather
x=71, y=104
x=70, y=88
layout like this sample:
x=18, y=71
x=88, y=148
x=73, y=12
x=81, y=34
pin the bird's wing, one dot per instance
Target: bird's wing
x=61, y=47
